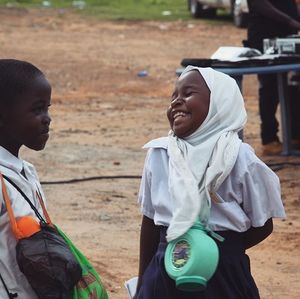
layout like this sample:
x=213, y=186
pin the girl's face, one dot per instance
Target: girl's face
x=189, y=104
x=26, y=122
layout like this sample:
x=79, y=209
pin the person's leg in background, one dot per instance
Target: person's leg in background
x=294, y=96
x=268, y=103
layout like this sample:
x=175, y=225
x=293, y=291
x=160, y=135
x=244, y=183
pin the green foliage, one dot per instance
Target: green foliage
x=115, y=9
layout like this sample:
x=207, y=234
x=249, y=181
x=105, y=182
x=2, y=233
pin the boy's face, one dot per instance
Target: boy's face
x=26, y=122
x=189, y=104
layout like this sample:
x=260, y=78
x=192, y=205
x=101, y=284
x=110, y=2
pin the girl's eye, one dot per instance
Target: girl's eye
x=189, y=93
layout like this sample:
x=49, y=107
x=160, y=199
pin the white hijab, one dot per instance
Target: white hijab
x=199, y=163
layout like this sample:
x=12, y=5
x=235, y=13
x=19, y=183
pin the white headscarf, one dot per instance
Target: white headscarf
x=199, y=163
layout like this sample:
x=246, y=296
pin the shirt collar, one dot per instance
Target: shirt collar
x=10, y=161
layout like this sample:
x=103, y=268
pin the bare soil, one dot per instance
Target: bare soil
x=102, y=114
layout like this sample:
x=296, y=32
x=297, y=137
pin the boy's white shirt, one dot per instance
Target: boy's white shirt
x=12, y=167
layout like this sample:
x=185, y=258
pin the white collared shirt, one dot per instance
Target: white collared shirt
x=249, y=196
x=11, y=166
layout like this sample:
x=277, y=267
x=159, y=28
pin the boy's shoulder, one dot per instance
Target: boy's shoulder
x=9, y=161
x=11, y=169
x=29, y=165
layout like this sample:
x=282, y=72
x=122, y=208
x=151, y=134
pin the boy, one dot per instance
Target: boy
x=25, y=97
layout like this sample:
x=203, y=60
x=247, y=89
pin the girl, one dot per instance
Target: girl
x=202, y=169
x=25, y=96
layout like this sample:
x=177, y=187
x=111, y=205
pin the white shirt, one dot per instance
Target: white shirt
x=249, y=196
x=9, y=269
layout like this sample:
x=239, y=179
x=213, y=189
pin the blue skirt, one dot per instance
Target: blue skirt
x=232, y=280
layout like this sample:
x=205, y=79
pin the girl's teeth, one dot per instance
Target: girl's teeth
x=179, y=114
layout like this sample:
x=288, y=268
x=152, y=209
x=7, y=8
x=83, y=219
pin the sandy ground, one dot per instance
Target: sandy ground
x=103, y=113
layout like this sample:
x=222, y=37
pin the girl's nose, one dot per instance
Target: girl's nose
x=177, y=101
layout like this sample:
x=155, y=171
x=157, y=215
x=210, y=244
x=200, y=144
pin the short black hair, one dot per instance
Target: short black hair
x=15, y=76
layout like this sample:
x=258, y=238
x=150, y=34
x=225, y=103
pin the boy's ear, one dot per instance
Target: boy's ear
x=3, y=113
x=1, y=117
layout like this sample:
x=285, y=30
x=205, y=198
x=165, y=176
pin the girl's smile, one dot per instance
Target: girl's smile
x=179, y=115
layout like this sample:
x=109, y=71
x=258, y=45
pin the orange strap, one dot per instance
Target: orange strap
x=18, y=234
x=44, y=208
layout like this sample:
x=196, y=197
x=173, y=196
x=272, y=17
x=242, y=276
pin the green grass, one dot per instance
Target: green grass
x=116, y=9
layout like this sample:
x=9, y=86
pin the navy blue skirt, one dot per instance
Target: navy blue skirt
x=232, y=280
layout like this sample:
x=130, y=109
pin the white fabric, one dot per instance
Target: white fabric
x=12, y=167
x=201, y=162
x=249, y=196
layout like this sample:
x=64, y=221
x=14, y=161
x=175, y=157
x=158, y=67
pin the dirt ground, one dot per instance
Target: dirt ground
x=102, y=114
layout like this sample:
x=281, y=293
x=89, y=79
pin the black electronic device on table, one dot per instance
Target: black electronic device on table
x=286, y=45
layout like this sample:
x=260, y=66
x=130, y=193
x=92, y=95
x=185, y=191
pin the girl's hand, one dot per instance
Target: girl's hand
x=255, y=235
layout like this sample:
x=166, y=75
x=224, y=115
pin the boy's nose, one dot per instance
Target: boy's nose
x=47, y=119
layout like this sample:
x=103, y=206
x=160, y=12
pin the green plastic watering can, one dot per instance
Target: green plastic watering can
x=192, y=259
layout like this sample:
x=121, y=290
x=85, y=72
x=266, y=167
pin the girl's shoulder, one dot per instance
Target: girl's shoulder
x=161, y=142
x=157, y=150
x=247, y=155
x=157, y=155
x=247, y=161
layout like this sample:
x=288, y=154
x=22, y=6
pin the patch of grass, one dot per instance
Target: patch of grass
x=115, y=9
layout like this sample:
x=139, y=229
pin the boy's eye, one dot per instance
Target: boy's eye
x=40, y=109
x=37, y=109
